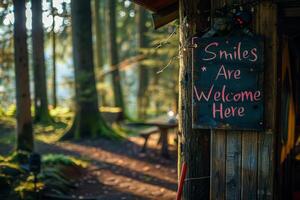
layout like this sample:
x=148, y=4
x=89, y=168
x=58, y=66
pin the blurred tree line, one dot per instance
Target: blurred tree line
x=108, y=52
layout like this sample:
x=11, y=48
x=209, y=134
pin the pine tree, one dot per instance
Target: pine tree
x=114, y=57
x=24, y=120
x=40, y=89
x=88, y=121
x=142, y=101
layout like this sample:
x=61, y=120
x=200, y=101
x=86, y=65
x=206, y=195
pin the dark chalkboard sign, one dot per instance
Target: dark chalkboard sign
x=228, y=83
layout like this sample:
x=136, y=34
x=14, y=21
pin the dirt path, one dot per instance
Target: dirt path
x=119, y=171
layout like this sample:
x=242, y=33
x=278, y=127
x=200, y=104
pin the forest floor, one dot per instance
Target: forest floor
x=117, y=169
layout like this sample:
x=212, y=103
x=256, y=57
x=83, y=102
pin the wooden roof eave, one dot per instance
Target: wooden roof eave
x=163, y=12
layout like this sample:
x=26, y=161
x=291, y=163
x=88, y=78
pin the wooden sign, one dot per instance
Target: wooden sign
x=228, y=83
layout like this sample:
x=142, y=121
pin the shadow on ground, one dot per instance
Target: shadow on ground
x=118, y=170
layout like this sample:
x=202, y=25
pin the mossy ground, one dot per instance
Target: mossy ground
x=17, y=182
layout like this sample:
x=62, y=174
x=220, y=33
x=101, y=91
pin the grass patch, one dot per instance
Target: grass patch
x=25, y=189
x=52, y=132
x=120, y=130
x=49, y=133
x=62, y=114
x=7, y=139
x=56, y=159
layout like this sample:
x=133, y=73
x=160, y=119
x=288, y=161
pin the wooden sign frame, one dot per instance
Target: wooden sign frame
x=228, y=82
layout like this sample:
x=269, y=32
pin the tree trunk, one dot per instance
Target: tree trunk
x=40, y=89
x=194, y=145
x=24, y=120
x=98, y=32
x=87, y=122
x=105, y=31
x=54, y=97
x=143, y=72
x=98, y=23
x=114, y=57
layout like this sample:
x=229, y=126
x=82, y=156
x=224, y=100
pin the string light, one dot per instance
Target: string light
x=238, y=15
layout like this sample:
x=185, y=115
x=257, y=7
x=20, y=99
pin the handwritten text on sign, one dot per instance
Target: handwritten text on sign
x=228, y=82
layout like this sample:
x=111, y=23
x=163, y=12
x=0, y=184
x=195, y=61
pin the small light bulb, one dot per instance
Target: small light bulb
x=171, y=113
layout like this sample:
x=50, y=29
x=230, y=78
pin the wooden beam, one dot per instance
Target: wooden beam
x=165, y=16
x=155, y=5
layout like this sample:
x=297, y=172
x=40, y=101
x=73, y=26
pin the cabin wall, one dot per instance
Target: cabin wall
x=242, y=162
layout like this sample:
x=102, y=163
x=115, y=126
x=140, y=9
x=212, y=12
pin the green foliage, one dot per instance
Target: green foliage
x=2, y=112
x=10, y=175
x=54, y=173
x=62, y=114
x=25, y=189
x=19, y=156
x=55, y=181
x=52, y=132
x=122, y=130
x=111, y=133
x=49, y=133
x=7, y=139
x=11, y=110
x=11, y=169
x=60, y=159
x=17, y=183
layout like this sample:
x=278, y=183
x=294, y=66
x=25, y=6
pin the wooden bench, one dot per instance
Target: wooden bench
x=146, y=134
x=163, y=125
x=114, y=115
x=142, y=131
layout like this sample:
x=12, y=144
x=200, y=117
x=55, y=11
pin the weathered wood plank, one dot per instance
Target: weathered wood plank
x=249, y=165
x=218, y=151
x=256, y=154
x=265, y=166
x=233, y=165
x=266, y=25
x=218, y=143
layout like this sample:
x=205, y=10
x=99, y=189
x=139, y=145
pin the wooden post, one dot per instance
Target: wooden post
x=194, y=145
